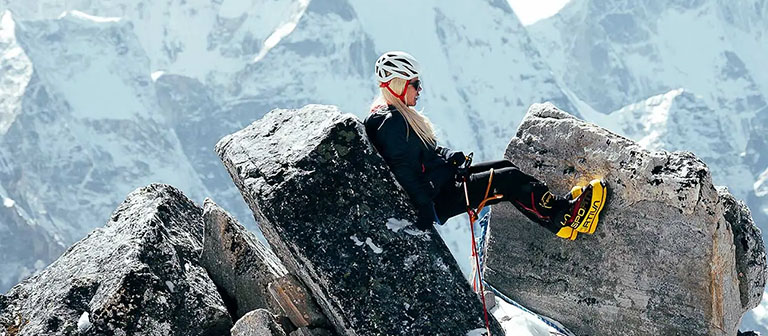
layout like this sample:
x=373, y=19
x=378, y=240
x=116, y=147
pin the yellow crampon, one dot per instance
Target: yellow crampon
x=586, y=222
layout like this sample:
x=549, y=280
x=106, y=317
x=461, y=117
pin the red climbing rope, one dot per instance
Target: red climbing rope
x=472, y=218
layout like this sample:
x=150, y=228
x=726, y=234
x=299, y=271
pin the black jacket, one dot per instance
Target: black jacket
x=421, y=169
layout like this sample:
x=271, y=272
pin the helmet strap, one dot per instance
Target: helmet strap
x=400, y=96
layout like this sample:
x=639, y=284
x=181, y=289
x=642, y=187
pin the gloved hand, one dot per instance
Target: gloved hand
x=461, y=174
x=456, y=158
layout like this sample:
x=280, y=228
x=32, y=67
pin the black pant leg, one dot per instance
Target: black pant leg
x=451, y=201
x=529, y=195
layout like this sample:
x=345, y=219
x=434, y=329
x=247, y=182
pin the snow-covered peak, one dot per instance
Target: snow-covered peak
x=92, y=61
x=205, y=40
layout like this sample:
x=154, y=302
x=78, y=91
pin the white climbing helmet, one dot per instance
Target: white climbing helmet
x=398, y=64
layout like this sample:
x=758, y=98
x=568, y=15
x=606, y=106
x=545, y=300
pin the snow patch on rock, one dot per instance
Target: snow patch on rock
x=476, y=332
x=84, y=323
x=373, y=246
x=396, y=225
x=357, y=241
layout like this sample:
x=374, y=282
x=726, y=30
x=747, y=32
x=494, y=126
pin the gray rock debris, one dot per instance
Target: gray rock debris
x=137, y=275
x=259, y=322
x=662, y=261
x=331, y=210
x=240, y=265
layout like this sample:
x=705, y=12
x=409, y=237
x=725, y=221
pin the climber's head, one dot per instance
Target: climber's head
x=398, y=76
x=399, y=90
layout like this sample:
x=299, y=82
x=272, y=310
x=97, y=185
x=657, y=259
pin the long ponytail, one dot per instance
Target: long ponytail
x=418, y=122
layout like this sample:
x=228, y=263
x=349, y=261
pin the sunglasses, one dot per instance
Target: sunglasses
x=416, y=84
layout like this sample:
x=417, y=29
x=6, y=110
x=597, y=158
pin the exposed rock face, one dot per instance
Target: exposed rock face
x=334, y=214
x=259, y=322
x=238, y=263
x=750, y=251
x=138, y=275
x=662, y=261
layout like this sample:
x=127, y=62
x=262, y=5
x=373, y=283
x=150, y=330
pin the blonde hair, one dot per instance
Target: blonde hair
x=418, y=122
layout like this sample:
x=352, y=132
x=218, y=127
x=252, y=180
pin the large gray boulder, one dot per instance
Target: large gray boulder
x=662, y=261
x=332, y=211
x=240, y=265
x=137, y=275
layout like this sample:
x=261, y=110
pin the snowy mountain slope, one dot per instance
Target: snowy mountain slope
x=201, y=46
x=746, y=29
x=17, y=71
x=19, y=232
x=205, y=40
x=26, y=247
x=614, y=53
x=87, y=129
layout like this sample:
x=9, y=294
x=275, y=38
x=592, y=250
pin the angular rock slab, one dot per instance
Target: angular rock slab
x=662, y=261
x=332, y=211
x=238, y=263
x=137, y=275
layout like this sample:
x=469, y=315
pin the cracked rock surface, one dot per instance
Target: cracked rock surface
x=238, y=263
x=662, y=261
x=137, y=275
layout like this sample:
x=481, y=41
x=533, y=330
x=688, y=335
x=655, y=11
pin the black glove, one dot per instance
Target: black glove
x=462, y=173
x=456, y=158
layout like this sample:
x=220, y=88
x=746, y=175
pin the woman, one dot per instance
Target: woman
x=428, y=172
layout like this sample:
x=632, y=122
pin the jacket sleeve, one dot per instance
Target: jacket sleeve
x=442, y=152
x=394, y=147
